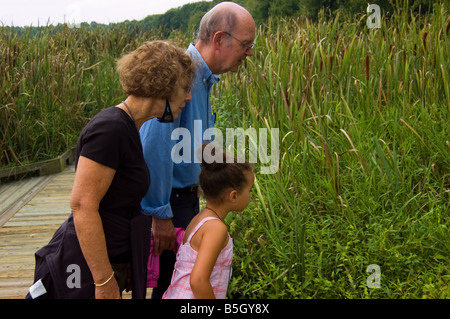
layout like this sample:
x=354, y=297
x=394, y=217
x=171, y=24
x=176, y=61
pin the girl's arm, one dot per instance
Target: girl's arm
x=91, y=183
x=214, y=237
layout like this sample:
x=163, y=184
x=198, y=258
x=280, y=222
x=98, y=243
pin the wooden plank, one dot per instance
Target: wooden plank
x=47, y=167
x=21, y=197
x=31, y=227
x=12, y=191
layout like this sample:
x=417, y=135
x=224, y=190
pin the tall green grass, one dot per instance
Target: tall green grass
x=363, y=115
x=52, y=81
x=364, y=172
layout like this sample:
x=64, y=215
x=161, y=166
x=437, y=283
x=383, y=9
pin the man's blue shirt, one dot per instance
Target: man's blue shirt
x=157, y=143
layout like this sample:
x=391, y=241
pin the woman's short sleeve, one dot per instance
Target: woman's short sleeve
x=103, y=142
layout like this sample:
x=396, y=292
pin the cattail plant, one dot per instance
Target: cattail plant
x=363, y=114
x=52, y=81
x=364, y=170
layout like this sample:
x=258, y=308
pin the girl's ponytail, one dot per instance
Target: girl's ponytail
x=218, y=176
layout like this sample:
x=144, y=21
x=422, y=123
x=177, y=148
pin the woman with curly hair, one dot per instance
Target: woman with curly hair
x=102, y=248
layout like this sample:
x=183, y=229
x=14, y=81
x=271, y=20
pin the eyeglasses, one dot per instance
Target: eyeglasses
x=244, y=45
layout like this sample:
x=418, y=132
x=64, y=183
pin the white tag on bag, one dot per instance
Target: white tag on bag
x=37, y=289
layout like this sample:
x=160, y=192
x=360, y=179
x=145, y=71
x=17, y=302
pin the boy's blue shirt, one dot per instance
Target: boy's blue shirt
x=157, y=143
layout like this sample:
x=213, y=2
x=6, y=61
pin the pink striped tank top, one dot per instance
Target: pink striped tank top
x=180, y=287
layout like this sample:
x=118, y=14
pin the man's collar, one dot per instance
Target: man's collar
x=206, y=73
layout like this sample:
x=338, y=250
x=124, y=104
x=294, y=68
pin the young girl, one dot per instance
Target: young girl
x=203, y=265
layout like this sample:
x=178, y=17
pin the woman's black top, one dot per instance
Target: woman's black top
x=111, y=138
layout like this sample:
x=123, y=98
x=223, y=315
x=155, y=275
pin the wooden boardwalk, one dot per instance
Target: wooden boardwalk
x=32, y=210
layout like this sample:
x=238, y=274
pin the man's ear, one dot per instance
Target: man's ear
x=218, y=39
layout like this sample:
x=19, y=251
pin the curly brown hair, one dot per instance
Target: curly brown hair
x=153, y=69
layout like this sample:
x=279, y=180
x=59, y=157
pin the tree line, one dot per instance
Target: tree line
x=186, y=18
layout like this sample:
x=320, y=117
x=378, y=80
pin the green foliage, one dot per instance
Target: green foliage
x=52, y=81
x=364, y=173
x=185, y=18
x=263, y=9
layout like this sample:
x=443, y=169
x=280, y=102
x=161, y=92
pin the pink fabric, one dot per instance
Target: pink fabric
x=180, y=287
x=153, y=261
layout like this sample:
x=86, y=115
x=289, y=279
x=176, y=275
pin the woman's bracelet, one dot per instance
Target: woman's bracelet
x=99, y=285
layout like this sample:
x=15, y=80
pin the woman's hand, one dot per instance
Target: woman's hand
x=108, y=291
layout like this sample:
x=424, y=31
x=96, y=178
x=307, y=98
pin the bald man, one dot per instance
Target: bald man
x=225, y=39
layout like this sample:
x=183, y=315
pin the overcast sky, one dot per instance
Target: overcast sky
x=27, y=12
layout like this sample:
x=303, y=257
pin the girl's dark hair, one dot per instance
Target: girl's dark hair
x=217, y=177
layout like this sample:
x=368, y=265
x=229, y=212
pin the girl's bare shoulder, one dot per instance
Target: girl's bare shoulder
x=213, y=229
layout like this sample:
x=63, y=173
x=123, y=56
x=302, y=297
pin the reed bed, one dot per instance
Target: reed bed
x=364, y=172
x=53, y=79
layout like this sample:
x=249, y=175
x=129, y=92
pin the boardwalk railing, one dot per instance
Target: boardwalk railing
x=42, y=168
